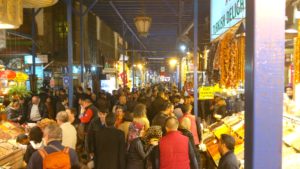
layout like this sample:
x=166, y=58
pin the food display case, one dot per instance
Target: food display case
x=11, y=155
x=232, y=125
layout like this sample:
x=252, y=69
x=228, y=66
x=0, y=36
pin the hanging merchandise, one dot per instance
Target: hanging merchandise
x=297, y=57
x=231, y=60
x=11, y=14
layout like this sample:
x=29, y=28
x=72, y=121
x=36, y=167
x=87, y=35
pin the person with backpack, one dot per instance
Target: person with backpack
x=54, y=155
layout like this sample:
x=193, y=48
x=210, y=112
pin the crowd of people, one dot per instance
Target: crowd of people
x=150, y=128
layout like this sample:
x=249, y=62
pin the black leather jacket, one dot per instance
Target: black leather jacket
x=42, y=110
x=137, y=155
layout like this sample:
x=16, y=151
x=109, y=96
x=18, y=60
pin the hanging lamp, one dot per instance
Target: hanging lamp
x=11, y=14
x=38, y=3
x=143, y=24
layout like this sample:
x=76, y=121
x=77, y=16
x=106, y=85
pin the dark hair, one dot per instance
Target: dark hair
x=110, y=119
x=128, y=117
x=102, y=109
x=166, y=105
x=72, y=110
x=89, y=89
x=36, y=134
x=80, y=88
x=186, y=108
x=21, y=137
x=139, y=110
x=229, y=141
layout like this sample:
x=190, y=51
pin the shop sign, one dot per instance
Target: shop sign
x=38, y=60
x=206, y=92
x=224, y=15
x=66, y=81
x=109, y=71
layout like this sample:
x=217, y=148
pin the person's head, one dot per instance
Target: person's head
x=122, y=99
x=52, y=133
x=87, y=102
x=167, y=108
x=94, y=97
x=64, y=99
x=161, y=94
x=226, y=143
x=110, y=120
x=71, y=113
x=81, y=100
x=36, y=134
x=15, y=104
x=188, y=100
x=289, y=91
x=185, y=124
x=154, y=132
x=62, y=117
x=119, y=110
x=140, y=111
x=102, y=115
x=79, y=89
x=35, y=100
x=186, y=108
x=48, y=100
x=22, y=139
x=128, y=117
x=62, y=92
x=171, y=124
x=89, y=91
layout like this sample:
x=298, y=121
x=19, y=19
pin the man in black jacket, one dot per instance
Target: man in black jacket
x=226, y=149
x=157, y=105
x=36, y=110
x=109, y=146
x=95, y=125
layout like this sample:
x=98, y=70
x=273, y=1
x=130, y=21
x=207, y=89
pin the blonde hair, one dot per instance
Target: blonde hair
x=185, y=123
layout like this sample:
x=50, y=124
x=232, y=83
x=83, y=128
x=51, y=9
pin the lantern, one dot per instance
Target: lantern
x=11, y=14
x=143, y=24
x=38, y=3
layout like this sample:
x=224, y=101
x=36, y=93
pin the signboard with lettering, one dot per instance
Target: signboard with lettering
x=224, y=15
x=206, y=92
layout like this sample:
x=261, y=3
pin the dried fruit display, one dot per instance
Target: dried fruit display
x=231, y=60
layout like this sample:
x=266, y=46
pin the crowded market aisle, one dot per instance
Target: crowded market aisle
x=152, y=127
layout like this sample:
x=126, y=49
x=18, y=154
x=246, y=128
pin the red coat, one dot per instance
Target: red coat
x=174, y=151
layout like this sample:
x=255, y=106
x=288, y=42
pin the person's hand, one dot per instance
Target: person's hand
x=91, y=155
x=154, y=142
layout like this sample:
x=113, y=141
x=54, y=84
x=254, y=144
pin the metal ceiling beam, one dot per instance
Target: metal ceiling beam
x=128, y=27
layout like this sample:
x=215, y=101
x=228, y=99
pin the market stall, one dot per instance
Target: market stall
x=11, y=154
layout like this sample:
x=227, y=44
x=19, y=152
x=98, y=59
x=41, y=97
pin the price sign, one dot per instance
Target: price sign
x=206, y=92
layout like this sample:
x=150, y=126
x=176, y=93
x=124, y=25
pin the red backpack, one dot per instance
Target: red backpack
x=56, y=160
